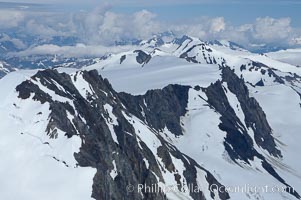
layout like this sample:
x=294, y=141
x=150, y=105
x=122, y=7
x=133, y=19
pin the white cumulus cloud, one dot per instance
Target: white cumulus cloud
x=10, y=18
x=79, y=50
x=102, y=27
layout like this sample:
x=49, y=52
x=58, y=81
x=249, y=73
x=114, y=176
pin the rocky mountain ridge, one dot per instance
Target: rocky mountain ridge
x=197, y=116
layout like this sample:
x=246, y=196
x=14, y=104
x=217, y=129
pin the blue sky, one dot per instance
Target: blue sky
x=236, y=11
x=250, y=23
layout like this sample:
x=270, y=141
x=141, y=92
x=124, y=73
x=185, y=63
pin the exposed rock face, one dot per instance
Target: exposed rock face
x=260, y=83
x=255, y=118
x=181, y=40
x=108, y=125
x=123, y=133
x=153, y=139
x=264, y=69
x=156, y=41
x=5, y=68
x=238, y=142
x=205, y=57
x=122, y=58
x=160, y=108
x=142, y=57
x=2, y=74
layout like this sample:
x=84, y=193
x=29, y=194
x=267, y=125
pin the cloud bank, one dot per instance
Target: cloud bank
x=79, y=50
x=103, y=27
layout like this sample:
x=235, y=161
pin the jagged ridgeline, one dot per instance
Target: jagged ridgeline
x=197, y=120
x=126, y=134
x=114, y=129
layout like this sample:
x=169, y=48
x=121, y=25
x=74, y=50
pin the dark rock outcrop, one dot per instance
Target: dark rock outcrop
x=122, y=58
x=255, y=118
x=142, y=57
x=160, y=108
x=90, y=119
x=238, y=142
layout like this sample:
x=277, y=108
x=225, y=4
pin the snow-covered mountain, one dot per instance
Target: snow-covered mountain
x=227, y=44
x=48, y=61
x=5, y=68
x=190, y=117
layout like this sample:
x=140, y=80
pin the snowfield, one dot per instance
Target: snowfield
x=291, y=56
x=43, y=167
x=31, y=163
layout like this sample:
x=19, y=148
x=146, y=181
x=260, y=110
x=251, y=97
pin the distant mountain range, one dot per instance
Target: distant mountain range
x=11, y=45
